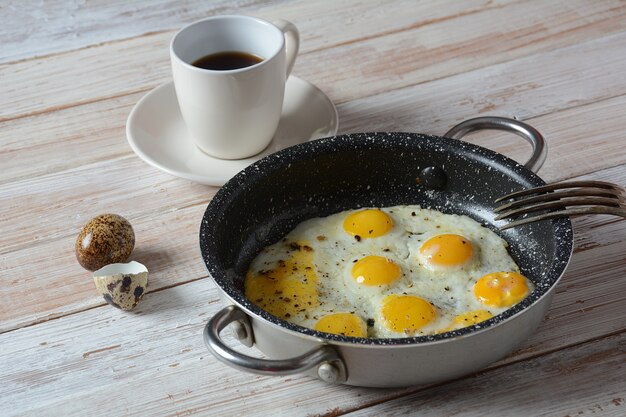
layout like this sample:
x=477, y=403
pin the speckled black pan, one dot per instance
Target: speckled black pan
x=268, y=199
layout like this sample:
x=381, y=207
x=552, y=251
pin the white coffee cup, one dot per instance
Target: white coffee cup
x=233, y=114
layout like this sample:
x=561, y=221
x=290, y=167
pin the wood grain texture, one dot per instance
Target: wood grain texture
x=125, y=185
x=583, y=381
x=38, y=145
x=71, y=71
x=45, y=280
x=523, y=88
x=31, y=30
x=424, y=52
x=65, y=25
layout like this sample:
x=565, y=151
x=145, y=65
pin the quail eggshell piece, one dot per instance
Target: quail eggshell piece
x=105, y=239
x=122, y=285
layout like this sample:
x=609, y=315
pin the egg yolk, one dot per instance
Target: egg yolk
x=344, y=324
x=287, y=289
x=447, y=250
x=501, y=289
x=368, y=223
x=468, y=319
x=375, y=270
x=406, y=313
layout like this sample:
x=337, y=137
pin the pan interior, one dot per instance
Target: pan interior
x=268, y=199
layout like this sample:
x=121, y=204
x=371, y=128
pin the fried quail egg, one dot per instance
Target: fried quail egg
x=501, y=289
x=406, y=314
x=345, y=324
x=446, y=251
x=385, y=273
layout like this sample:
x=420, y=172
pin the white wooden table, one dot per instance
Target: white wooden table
x=70, y=71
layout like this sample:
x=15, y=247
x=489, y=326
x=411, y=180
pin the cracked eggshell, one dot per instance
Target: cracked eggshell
x=122, y=285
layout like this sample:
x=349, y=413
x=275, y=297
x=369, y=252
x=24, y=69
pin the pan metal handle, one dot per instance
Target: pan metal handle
x=330, y=367
x=540, y=148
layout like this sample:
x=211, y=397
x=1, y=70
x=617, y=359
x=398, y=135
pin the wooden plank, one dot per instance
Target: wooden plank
x=89, y=134
x=105, y=361
x=62, y=25
x=51, y=283
x=581, y=381
x=39, y=145
x=524, y=88
x=31, y=30
x=65, y=201
x=408, y=57
x=176, y=372
x=568, y=133
x=531, y=89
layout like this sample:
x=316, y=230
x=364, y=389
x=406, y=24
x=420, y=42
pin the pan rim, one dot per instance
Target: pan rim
x=561, y=227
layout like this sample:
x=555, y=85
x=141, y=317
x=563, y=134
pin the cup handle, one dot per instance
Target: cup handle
x=292, y=42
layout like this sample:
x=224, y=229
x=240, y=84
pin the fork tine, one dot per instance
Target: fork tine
x=580, y=201
x=569, y=212
x=558, y=186
x=580, y=192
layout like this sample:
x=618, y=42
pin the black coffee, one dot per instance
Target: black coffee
x=229, y=60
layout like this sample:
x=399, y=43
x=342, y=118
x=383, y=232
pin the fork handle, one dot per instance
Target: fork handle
x=532, y=135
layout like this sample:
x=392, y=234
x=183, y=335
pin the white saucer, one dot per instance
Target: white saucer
x=157, y=134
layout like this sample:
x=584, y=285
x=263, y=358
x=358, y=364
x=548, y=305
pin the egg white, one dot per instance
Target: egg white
x=449, y=290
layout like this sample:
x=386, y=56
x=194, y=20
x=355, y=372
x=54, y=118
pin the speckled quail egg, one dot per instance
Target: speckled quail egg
x=105, y=239
x=122, y=285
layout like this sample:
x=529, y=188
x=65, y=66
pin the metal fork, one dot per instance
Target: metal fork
x=597, y=197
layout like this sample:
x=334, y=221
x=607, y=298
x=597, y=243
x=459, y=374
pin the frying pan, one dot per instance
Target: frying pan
x=268, y=199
